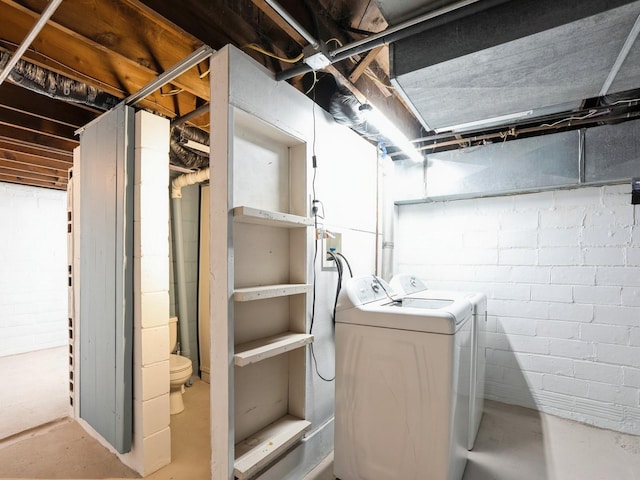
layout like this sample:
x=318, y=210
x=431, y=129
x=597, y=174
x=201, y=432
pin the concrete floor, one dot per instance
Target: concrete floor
x=38, y=390
x=65, y=450
x=519, y=443
x=513, y=443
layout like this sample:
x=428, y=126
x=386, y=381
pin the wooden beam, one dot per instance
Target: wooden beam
x=29, y=176
x=366, y=16
x=38, y=104
x=364, y=88
x=33, y=182
x=34, y=123
x=156, y=46
x=265, y=8
x=215, y=23
x=364, y=67
x=364, y=64
x=36, y=139
x=19, y=160
x=117, y=74
x=25, y=169
x=10, y=147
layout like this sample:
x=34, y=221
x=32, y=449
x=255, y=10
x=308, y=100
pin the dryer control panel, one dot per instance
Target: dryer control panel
x=361, y=290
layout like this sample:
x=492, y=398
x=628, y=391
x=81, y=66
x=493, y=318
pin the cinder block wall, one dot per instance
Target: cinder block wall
x=561, y=271
x=33, y=268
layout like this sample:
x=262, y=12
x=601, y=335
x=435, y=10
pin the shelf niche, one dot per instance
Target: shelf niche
x=270, y=250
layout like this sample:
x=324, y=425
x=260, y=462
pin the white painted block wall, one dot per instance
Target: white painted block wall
x=33, y=268
x=151, y=448
x=561, y=271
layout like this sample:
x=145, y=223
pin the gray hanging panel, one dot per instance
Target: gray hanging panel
x=106, y=276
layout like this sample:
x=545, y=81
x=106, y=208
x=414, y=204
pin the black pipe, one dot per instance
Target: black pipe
x=293, y=72
x=428, y=24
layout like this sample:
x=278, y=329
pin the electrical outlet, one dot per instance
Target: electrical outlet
x=333, y=241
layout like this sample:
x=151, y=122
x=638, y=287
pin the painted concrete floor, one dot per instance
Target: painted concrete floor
x=516, y=443
x=513, y=443
x=36, y=389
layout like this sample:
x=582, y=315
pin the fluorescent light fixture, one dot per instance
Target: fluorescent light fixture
x=389, y=130
x=196, y=146
x=487, y=122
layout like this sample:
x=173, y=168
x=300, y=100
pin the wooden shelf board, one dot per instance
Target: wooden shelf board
x=257, y=350
x=260, y=449
x=269, y=291
x=273, y=219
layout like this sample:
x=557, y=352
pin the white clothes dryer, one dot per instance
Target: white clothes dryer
x=402, y=385
x=413, y=290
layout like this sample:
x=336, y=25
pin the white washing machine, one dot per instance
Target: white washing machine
x=412, y=289
x=402, y=385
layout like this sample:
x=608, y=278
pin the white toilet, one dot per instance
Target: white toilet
x=180, y=370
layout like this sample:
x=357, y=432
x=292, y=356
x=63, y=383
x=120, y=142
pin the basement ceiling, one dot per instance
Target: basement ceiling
x=473, y=63
x=517, y=59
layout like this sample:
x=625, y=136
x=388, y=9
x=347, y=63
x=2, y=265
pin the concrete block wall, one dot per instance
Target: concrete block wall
x=151, y=436
x=33, y=269
x=561, y=270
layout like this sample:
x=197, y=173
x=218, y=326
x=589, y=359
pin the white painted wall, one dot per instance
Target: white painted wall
x=33, y=268
x=346, y=184
x=562, y=274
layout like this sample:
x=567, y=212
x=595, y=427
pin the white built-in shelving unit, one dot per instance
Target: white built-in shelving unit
x=268, y=245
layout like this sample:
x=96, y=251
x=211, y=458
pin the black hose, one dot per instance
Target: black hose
x=339, y=267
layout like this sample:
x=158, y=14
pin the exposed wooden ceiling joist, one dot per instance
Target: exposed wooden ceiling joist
x=364, y=87
x=32, y=137
x=119, y=75
x=119, y=46
x=37, y=136
x=26, y=179
x=38, y=105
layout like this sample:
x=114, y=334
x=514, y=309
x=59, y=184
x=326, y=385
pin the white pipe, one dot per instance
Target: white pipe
x=26, y=43
x=388, y=212
x=188, y=179
x=180, y=276
x=181, y=290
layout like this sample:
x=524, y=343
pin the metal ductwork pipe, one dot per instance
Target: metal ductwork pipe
x=54, y=85
x=31, y=36
x=181, y=154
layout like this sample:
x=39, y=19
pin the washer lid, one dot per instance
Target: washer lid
x=477, y=299
x=445, y=320
x=405, y=284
